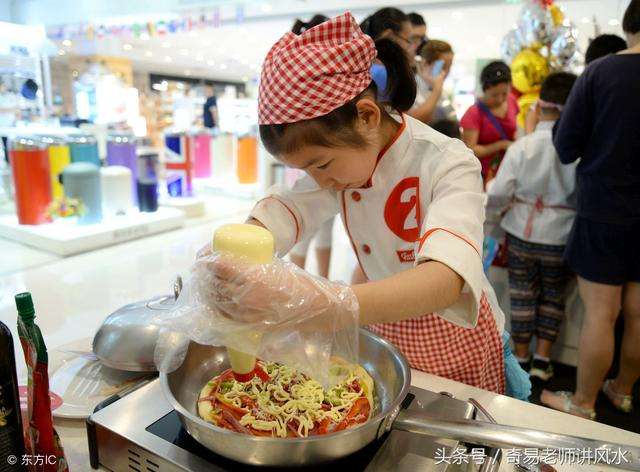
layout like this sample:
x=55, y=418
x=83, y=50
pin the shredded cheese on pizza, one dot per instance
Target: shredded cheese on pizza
x=287, y=403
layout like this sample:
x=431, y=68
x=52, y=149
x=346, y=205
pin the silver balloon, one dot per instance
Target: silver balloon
x=535, y=26
x=510, y=46
x=563, y=47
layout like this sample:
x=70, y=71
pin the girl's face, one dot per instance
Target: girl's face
x=343, y=167
x=497, y=95
x=335, y=168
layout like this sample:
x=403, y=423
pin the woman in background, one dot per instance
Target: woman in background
x=431, y=71
x=489, y=125
x=599, y=126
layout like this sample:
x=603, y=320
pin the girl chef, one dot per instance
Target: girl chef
x=410, y=198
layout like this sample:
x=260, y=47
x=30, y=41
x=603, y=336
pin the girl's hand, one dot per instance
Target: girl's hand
x=268, y=293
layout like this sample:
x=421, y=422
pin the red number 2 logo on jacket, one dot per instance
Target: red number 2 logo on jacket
x=402, y=210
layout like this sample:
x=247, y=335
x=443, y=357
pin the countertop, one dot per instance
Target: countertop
x=72, y=296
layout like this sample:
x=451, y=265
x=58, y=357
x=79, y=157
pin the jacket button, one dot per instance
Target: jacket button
x=356, y=196
x=366, y=249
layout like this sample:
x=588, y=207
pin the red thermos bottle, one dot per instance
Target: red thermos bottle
x=31, y=178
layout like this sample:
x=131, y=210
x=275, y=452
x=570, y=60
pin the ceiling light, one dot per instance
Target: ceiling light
x=613, y=22
x=206, y=42
x=61, y=52
x=166, y=44
x=167, y=59
x=266, y=8
x=199, y=58
x=67, y=43
x=244, y=62
x=245, y=79
x=222, y=50
x=236, y=57
x=184, y=52
x=211, y=63
x=456, y=15
x=148, y=53
x=223, y=67
x=585, y=20
x=193, y=34
x=127, y=47
x=187, y=72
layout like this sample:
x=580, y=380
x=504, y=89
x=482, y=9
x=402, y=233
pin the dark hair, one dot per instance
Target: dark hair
x=382, y=20
x=337, y=128
x=433, y=48
x=447, y=127
x=557, y=86
x=631, y=19
x=603, y=45
x=300, y=26
x=416, y=19
x=494, y=73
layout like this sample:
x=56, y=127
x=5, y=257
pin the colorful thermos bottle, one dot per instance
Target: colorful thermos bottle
x=84, y=148
x=121, y=151
x=59, y=158
x=81, y=181
x=117, y=196
x=31, y=179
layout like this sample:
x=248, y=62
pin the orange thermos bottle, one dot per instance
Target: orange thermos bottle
x=29, y=159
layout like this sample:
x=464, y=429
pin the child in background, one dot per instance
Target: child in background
x=537, y=191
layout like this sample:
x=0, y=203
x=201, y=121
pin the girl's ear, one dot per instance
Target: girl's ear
x=369, y=113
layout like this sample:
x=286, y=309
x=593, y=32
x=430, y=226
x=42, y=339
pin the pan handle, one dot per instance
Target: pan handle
x=495, y=435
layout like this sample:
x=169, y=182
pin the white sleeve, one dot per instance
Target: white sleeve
x=295, y=214
x=452, y=229
x=501, y=189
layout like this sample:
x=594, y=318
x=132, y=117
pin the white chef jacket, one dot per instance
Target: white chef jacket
x=530, y=171
x=424, y=201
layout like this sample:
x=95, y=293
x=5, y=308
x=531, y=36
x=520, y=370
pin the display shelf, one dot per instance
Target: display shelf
x=193, y=207
x=66, y=237
x=228, y=187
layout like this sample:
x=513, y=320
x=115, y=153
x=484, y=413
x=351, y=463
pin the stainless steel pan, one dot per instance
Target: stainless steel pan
x=392, y=377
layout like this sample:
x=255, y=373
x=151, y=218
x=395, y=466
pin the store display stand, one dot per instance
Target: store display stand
x=66, y=237
x=229, y=188
x=193, y=207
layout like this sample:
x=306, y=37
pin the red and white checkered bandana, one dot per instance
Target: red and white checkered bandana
x=310, y=75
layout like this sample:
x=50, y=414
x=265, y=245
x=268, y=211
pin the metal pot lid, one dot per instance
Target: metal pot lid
x=127, y=338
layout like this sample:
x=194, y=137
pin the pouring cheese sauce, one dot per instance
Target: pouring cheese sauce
x=286, y=403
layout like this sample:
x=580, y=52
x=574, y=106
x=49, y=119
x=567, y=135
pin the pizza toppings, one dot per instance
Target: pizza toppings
x=286, y=403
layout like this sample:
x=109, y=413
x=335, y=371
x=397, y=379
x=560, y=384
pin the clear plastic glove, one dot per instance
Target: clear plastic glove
x=269, y=293
x=277, y=312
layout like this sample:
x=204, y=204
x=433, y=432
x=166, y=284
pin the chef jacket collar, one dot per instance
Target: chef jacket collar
x=394, y=148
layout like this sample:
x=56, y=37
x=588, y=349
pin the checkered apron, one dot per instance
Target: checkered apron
x=434, y=345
